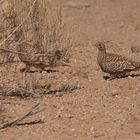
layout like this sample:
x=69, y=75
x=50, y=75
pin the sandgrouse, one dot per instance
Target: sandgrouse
x=114, y=64
x=31, y=57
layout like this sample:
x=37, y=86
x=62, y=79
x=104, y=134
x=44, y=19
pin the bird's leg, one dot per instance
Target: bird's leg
x=22, y=70
x=106, y=76
x=27, y=68
x=127, y=74
x=112, y=76
x=43, y=68
x=118, y=75
x=122, y=75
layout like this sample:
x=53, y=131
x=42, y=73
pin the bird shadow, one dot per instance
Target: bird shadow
x=121, y=77
x=34, y=71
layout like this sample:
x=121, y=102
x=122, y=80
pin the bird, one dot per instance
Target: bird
x=32, y=57
x=114, y=64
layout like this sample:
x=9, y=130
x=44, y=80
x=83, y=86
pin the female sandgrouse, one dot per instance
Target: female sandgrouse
x=32, y=57
x=114, y=64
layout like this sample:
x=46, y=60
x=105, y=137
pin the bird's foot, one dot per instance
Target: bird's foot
x=112, y=77
x=24, y=70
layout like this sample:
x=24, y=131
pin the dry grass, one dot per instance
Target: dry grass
x=38, y=23
x=42, y=26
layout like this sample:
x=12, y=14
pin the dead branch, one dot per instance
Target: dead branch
x=31, y=123
x=64, y=88
x=24, y=93
x=34, y=110
x=19, y=92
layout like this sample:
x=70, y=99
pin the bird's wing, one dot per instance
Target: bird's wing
x=115, y=57
x=117, y=66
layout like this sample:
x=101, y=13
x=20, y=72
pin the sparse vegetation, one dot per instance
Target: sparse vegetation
x=75, y=101
x=38, y=29
x=40, y=24
x=33, y=33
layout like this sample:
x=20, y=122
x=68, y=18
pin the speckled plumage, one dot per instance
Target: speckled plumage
x=114, y=64
x=32, y=57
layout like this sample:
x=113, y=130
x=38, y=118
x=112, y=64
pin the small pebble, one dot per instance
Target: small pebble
x=76, y=5
x=114, y=93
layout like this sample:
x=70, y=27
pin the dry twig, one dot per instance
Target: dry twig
x=19, y=92
x=64, y=88
x=31, y=111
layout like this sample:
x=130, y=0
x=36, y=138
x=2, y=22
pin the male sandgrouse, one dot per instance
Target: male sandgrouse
x=114, y=64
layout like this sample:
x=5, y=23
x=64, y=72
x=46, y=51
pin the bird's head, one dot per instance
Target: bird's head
x=101, y=46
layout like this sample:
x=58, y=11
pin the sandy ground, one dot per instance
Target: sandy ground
x=102, y=109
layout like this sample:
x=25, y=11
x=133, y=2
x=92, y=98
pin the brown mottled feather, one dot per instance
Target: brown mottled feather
x=33, y=57
x=114, y=63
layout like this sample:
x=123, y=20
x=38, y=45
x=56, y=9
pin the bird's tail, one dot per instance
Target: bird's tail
x=136, y=64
